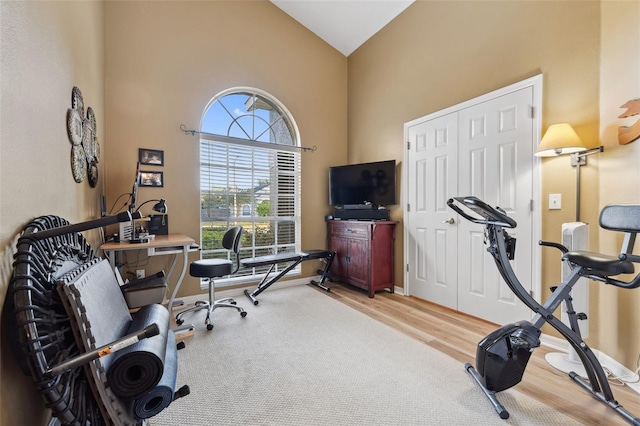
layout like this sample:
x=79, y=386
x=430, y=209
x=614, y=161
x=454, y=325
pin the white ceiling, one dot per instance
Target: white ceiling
x=344, y=24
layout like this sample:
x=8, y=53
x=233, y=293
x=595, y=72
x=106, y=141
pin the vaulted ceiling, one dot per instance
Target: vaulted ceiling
x=344, y=24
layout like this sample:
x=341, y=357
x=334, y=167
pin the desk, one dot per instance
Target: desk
x=161, y=245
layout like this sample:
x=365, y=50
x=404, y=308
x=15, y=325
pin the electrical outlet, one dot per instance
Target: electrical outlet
x=555, y=201
x=139, y=273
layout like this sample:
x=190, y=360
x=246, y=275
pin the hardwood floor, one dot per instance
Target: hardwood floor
x=457, y=334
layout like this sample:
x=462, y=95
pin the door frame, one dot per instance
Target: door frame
x=536, y=83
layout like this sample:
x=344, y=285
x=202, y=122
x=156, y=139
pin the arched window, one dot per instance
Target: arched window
x=249, y=176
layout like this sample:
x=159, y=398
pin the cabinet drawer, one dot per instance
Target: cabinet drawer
x=350, y=229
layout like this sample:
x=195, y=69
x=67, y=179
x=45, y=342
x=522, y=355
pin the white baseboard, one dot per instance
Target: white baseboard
x=617, y=369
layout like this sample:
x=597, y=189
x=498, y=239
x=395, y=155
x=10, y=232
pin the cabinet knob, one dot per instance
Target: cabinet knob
x=450, y=221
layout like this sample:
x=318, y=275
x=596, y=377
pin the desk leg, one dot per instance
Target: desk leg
x=111, y=255
x=185, y=260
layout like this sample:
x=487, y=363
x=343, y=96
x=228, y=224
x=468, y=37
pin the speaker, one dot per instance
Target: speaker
x=357, y=214
x=159, y=224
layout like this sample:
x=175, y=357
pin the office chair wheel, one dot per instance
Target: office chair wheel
x=209, y=326
x=179, y=321
x=233, y=302
x=243, y=314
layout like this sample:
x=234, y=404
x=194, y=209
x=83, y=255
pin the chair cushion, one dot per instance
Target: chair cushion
x=210, y=268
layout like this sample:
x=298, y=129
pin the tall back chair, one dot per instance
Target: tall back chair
x=216, y=268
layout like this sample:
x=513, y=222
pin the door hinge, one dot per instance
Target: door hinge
x=408, y=145
x=407, y=267
x=408, y=207
x=532, y=112
x=530, y=205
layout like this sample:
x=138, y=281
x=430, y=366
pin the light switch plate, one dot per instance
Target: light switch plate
x=555, y=201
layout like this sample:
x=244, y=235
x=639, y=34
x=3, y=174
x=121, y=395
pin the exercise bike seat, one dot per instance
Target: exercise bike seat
x=599, y=264
x=617, y=217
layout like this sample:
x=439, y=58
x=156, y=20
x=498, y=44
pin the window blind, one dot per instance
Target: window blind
x=251, y=184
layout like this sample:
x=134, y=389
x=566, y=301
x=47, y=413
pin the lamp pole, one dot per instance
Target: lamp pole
x=579, y=159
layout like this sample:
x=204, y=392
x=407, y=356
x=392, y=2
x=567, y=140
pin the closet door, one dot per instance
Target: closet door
x=483, y=147
x=432, y=231
x=495, y=158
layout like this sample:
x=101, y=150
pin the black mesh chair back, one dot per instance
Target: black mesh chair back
x=232, y=240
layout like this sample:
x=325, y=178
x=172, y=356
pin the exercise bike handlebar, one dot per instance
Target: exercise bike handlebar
x=488, y=215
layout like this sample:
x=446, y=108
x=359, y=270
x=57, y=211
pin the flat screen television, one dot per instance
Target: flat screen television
x=363, y=184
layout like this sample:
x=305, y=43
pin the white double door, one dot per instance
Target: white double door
x=484, y=148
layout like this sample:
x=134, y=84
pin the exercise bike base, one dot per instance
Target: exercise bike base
x=491, y=395
x=611, y=403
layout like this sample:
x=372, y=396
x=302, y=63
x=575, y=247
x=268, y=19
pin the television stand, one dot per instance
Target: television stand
x=364, y=254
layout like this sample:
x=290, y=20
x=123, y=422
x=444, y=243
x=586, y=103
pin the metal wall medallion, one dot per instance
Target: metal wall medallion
x=78, y=163
x=77, y=102
x=74, y=126
x=85, y=150
x=92, y=172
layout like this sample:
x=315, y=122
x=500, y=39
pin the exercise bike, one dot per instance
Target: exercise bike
x=502, y=356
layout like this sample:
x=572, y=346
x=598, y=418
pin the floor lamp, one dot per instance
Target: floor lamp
x=561, y=139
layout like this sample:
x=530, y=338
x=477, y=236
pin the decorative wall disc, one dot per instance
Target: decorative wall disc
x=92, y=173
x=92, y=118
x=88, y=139
x=85, y=151
x=77, y=102
x=78, y=163
x=74, y=126
x=96, y=153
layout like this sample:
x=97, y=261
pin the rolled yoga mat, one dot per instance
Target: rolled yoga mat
x=162, y=395
x=137, y=369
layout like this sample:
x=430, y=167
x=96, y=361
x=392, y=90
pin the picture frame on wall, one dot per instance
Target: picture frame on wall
x=151, y=178
x=151, y=157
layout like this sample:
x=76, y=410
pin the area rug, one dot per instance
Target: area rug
x=302, y=358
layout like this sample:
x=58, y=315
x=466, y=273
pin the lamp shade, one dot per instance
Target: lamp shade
x=559, y=139
x=160, y=207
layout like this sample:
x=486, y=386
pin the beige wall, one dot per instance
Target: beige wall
x=156, y=66
x=46, y=49
x=454, y=51
x=619, y=171
x=167, y=60
x=479, y=47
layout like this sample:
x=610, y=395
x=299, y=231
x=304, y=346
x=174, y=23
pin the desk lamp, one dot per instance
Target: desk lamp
x=160, y=206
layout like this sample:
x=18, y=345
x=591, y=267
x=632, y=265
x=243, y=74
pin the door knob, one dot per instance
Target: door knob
x=450, y=221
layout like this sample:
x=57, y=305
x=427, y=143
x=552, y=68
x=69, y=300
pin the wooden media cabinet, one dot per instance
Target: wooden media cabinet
x=364, y=253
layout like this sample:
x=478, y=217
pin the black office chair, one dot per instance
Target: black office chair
x=216, y=268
